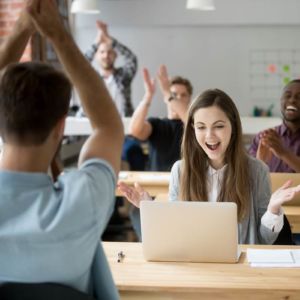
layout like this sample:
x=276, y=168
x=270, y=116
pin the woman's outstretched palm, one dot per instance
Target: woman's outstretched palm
x=134, y=194
x=284, y=194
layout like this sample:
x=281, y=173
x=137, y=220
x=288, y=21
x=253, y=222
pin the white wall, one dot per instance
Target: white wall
x=210, y=48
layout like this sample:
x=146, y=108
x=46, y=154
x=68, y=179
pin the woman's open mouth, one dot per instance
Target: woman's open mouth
x=213, y=147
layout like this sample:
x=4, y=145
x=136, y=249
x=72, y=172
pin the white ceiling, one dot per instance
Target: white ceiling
x=173, y=13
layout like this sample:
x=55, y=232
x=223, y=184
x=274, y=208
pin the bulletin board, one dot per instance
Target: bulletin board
x=270, y=71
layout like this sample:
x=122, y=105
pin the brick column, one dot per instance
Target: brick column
x=9, y=13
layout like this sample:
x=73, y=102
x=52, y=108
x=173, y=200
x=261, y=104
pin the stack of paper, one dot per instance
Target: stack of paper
x=275, y=258
x=123, y=175
x=154, y=177
x=144, y=177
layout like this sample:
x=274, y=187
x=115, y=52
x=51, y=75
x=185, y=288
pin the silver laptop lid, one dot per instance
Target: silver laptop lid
x=189, y=231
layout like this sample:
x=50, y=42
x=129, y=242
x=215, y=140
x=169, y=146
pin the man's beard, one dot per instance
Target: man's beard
x=291, y=119
x=107, y=67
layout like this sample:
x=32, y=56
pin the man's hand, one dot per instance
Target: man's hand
x=271, y=139
x=25, y=20
x=164, y=82
x=102, y=35
x=263, y=152
x=149, y=85
x=139, y=126
x=45, y=16
x=13, y=46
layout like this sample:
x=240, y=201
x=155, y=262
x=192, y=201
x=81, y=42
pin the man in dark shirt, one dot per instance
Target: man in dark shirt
x=279, y=147
x=164, y=135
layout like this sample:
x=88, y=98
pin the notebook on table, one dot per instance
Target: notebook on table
x=189, y=231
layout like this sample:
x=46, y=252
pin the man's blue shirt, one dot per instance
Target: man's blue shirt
x=50, y=232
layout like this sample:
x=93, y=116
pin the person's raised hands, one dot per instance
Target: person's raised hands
x=272, y=140
x=134, y=194
x=149, y=85
x=45, y=16
x=102, y=34
x=164, y=82
x=25, y=19
x=263, y=152
x=282, y=195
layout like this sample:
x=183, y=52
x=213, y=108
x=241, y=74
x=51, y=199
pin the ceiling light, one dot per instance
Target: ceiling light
x=85, y=7
x=200, y=4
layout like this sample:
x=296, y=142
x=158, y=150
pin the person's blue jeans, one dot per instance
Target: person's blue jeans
x=132, y=152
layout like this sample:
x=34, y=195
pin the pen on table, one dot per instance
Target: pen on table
x=121, y=256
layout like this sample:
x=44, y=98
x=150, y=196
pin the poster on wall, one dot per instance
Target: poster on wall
x=270, y=71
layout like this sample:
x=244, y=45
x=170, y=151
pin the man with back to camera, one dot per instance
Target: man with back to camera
x=279, y=147
x=49, y=232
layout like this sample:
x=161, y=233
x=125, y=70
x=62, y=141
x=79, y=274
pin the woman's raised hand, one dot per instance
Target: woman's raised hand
x=284, y=194
x=134, y=194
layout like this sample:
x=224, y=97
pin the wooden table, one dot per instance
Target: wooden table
x=153, y=182
x=138, y=279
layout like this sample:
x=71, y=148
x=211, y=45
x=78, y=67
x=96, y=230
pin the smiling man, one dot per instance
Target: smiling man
x=279, y=147
x=118, y=80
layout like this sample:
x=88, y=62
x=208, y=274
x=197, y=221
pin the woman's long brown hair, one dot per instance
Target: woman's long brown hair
x=193, y=179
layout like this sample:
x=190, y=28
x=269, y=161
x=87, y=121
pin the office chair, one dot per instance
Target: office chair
x=40, y=291
x=285, y=236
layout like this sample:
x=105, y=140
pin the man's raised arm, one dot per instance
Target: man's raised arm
x=107, y=137
x=12, y=48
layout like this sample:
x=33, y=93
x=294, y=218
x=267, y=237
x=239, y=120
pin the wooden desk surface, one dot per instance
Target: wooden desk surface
x=138, y=279
x=154, y=182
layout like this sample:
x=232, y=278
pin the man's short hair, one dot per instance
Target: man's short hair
x=33, y=98
x=293, y=81
x=183, y=81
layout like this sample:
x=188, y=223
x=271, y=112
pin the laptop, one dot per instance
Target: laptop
x=278, y=179
x=185, y=231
